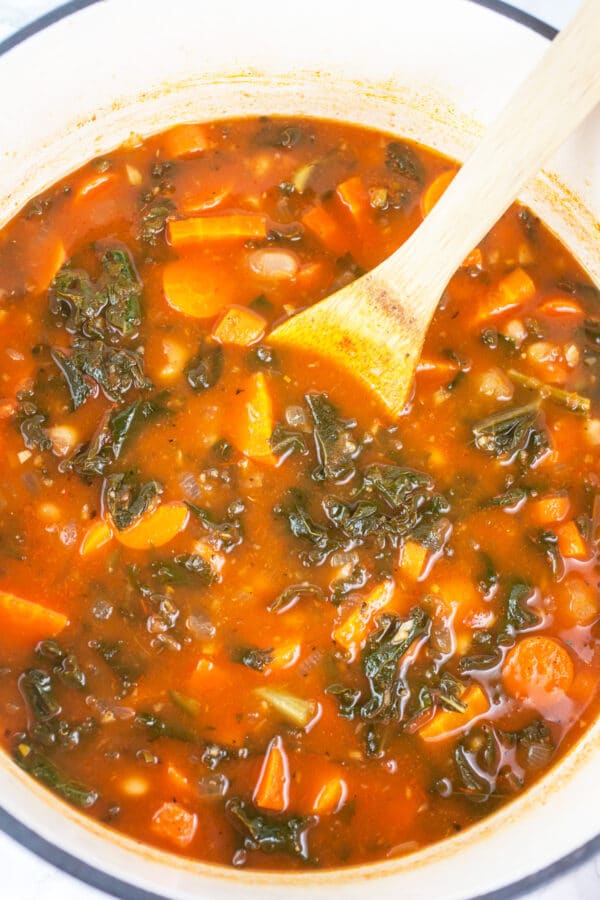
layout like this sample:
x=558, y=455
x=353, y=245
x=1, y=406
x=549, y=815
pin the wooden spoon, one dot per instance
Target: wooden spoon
x=374, y=328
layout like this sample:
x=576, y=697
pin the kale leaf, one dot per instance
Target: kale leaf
x=270, y=834
x=204, y=370
x=511, y=432
x=127, y=500
x=220, y=535
x=336, y=448
x=44, y=771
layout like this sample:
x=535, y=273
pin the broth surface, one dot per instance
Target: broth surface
x=244, y=616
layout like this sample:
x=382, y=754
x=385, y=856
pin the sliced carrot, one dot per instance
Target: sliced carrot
x=236, y=226
x=180, y=782
x=354, y=197
x=175, y=824
x=92, y=184
x=413, y=560
x=549, y=509
x=327, y=229
x=447, y=723
x=330, y=797
x=155, y=528
x=196, y=288
x=511, y=292
x=272, y=790
x=253, y=422
x=580, y=604
x=284, y=655
x=185, y=141
x=435, y=189
x=239, y=326
x=355, y=628
x=561, y=307
x=95, y=537
x=584, y=686
x=570, y=541
x=23, y=622
x=538, y=668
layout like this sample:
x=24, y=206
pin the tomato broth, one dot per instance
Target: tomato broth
x=244, y=616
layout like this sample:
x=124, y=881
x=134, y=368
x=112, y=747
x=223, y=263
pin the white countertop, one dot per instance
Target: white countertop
x=26, y=876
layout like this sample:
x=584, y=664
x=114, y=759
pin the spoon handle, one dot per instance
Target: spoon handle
x=557, y=95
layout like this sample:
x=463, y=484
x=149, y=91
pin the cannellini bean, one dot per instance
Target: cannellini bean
x=544, y=352
x=516, y=331
x=274, y=263
x=572, y=355
x=176, y=358
x=134, y=786
x=495, y=383
x=64, y=439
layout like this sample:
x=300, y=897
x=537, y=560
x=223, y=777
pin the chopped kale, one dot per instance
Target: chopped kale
x=511, y=432
x=380, y=660
x=44, y=771
x=336, y=448
x=65, y=663
x=348, y=699
x=285, y=441
x=253, y=657
x=154, y=220
x=221, y=535
x=402, y=160
x=341, y=587
x=127, y=672
x=269, y=833
x=106, y=445
x=304, y=527
x=31, y=425
x=547, y=541
x=517, y=615
x=127, y=500
x=184, y=568
x=38, y=692
x=116, y=371
x=509, y=499
x=292, y=594
x=156, y=728
x=79, y=387
x=123, y=292
x=205, y=368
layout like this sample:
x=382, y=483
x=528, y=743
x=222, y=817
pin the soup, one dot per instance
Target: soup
x=245, y=616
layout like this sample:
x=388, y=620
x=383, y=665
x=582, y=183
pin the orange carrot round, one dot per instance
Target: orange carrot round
x=538, y=668
x=155, y=528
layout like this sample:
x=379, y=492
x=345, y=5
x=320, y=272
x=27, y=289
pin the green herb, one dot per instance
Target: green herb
x=221, y=535
x=547, y=541
x=108, y=442
x=341, y=587
x=285, y=441
x=253, y=657
x=510, y=432
x=510, y=499
x=402, y=160
x=569, y=399
x=270, y=834
x=205, y=368
x=348, y=699
x=156, y=728
x=44, y=771
x=79, y=388
x=302, y=526
x=116, y=371
x=336, y=449
x=127, y=500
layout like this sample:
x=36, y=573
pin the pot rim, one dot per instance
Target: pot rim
x=123, y=890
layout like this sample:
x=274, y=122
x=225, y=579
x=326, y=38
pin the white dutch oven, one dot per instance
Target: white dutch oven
x=433, y=70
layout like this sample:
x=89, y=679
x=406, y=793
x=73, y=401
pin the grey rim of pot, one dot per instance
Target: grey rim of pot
x=69, y=864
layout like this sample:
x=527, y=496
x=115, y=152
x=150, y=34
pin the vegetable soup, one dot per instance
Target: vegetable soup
x=244, y=616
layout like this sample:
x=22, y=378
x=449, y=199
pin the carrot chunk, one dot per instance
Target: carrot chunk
x=175, y=824
x=23, y=622
x=571, y=542
x=355, y=628
x=196, y=288
x=155, y=528
x=327, y=229
x=538, y=668
x=435, y=189
x=253, y=423
x=95, y=537
x=413, y=560
x=185, y=141
x=511, y=292
x=284, y=655
x=239, y=326
x=446, y=723
x=549, y=509
x=273, y=787
x=237, y=226
x=561, y=307
x=354, y=197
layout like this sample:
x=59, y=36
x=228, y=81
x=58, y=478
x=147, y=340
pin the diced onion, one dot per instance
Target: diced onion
x=296, y=416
